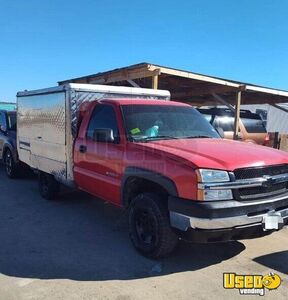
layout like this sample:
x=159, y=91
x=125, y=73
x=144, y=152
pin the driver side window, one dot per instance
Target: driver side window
x=103, y=117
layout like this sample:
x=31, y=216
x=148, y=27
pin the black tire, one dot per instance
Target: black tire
x=10, y=166
x=149, y=226
x=48, y=186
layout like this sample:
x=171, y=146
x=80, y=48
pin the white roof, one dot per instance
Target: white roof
x=97, y=88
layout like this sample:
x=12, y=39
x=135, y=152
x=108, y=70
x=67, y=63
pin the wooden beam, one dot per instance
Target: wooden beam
x=155, y=82
x=123, y=75
x=247, y=97
x=221, y=100
x=203, y=89
x=191, y=75
x=267, y=91
x=257, y=98
x=133, y=83
x=237, y=115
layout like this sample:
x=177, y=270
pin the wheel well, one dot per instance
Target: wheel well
x=136, y=185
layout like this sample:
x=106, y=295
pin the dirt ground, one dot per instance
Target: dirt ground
x=78, y=248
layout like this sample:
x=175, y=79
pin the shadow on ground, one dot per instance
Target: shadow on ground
x=81, y=238
x=277, y=261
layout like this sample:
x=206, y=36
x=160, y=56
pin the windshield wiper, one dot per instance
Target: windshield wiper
x=158, y=137
x=197, y=137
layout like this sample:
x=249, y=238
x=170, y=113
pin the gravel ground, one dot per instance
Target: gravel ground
x=78, y=248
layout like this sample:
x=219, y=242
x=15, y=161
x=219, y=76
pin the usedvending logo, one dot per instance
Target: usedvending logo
x=251, y=284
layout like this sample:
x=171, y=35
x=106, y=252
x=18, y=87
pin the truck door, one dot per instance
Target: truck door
x=98, y=164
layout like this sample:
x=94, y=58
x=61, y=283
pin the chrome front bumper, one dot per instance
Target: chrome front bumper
x=230, y=214
x=184, y=222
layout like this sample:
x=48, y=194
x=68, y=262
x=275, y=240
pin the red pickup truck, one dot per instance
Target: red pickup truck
x=169, y=167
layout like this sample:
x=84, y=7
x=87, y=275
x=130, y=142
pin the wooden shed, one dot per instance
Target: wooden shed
x=190, y=87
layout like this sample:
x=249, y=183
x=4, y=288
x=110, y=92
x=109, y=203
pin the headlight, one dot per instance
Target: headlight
x=206, y=175
x=211, y=195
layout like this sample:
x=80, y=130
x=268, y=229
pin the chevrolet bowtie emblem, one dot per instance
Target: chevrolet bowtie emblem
x=269, y=181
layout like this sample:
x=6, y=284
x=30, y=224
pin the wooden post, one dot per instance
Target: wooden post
x=155, y=82
x=237, y=115
x=276, y=140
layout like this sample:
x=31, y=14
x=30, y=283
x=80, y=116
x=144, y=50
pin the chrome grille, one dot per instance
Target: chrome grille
x=260, y=171
x=261, y=192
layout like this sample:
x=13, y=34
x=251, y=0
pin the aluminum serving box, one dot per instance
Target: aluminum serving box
x=47, y=123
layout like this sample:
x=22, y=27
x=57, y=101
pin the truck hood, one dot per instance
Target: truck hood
x=217, y=153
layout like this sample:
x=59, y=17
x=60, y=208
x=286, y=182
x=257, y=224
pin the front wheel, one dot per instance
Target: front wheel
x=149, y=226
x=10, y=166
x=48, y=186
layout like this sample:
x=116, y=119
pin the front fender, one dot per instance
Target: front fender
x=165, y=182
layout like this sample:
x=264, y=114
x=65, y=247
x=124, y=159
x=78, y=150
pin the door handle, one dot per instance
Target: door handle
x=82, y=148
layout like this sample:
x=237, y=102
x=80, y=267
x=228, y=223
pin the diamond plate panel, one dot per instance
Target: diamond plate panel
x=47, y=126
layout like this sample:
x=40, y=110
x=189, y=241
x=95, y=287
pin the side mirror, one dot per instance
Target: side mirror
x=3, y=128
x=104, y=135
x=220, y=131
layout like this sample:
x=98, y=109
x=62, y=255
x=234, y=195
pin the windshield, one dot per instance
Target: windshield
x=12, y=121
x=149, y=122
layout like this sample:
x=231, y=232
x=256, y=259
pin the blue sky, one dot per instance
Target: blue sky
x=44, y=41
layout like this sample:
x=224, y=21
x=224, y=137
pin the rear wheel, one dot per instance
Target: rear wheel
x=10, y=166
x=48, y=186
x=149, y=226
